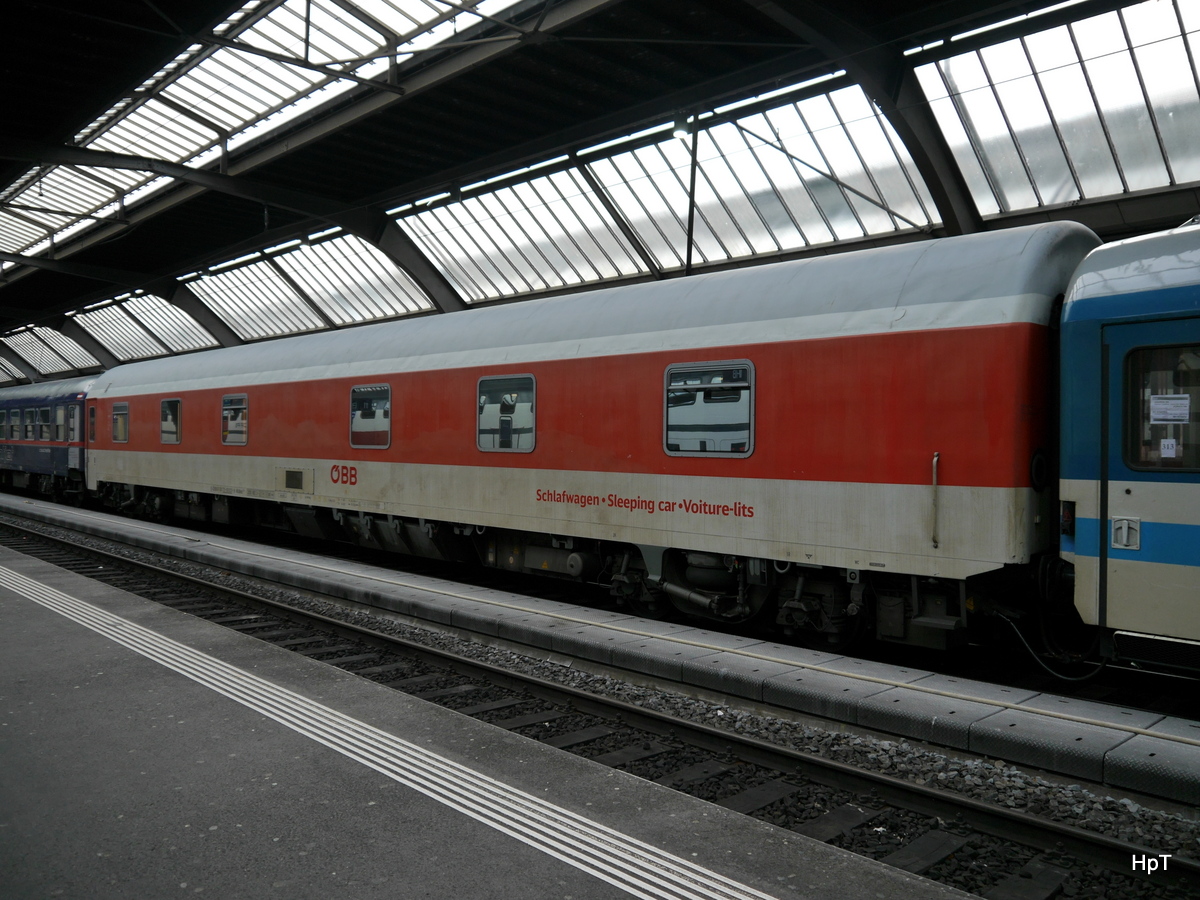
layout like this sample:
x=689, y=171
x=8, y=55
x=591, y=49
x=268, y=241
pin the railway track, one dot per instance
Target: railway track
x=981, y=847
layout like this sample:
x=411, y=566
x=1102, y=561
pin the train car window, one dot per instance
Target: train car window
x=506, y=414
x=120, y=422
x=60, y=423
x=45, y=426
x=91, y=423
x=73, y=422
x=3, y=424
x=708, y=409
x=30, y=424
x=371, y=416
x=169, y=429
x=235, y=428
x=1162, y=402
x=14, y=424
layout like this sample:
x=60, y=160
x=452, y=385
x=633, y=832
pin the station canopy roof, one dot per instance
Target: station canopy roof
x=175, y=177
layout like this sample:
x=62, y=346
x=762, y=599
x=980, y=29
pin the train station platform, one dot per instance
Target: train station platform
x=1123, y=748
x=148, y=753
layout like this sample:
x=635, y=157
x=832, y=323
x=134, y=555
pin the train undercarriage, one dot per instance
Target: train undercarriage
x=824, y=607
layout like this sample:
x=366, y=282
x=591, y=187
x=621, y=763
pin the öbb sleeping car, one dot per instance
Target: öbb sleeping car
x=803, y=438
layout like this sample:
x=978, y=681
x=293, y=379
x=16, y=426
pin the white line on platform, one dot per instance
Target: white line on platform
x=636, y=867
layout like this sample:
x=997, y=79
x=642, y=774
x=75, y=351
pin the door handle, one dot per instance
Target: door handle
x=1126, y=533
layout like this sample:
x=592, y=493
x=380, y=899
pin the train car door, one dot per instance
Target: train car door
x=1150, y=471
x=74, y=437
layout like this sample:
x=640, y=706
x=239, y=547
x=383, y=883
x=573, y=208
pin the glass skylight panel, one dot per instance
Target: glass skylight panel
x=984, y=117
x=17, y=232
x=885, y=160
x=407, y=18
x=1027, y=118
x=422, y=23
x=65, y=189
x=169, y=323
x=332, y=34
x=49, y=202
x=121, y=335
x=546, y=233
x=440, y=237
x=256, y=302
x=1123, y=105
x=572, y=218
x=233, y=87
x=158, y=131
x=112, y=181
x=1164, y=66
x=8, y=372
x=823, y=169
x=1069, y=99
x=66, y=348
x=646, y=189
x=1100, y=107
x=36, y=353
x=352, y=281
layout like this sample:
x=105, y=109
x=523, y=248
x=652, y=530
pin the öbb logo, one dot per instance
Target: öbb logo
x=343, y=474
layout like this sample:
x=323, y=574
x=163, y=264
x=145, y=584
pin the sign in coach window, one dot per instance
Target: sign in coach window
x=1162, y=404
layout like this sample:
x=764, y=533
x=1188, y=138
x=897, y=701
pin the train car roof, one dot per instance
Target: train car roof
x=1131, y=269
x=47, y=391
x=980, y=279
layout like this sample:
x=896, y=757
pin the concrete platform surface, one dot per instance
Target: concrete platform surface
x=145, y=753
x=1081, y=739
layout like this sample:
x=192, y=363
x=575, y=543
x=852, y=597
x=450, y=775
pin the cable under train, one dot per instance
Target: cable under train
x=902, y=442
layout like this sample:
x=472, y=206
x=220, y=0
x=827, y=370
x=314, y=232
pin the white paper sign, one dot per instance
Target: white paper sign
x=1170, y=409
x=1166, y=448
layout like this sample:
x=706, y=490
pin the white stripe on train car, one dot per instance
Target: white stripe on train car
x=808, y=522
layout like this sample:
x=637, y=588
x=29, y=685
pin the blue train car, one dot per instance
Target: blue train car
x=1130, y=453
x=42, y=437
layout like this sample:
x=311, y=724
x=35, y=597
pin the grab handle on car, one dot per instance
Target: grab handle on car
x=936, y=457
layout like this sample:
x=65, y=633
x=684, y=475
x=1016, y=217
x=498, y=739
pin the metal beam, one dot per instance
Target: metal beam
x=889, y=80
x=80, y=335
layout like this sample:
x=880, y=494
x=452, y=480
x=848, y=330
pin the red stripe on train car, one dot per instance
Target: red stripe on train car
x=865, y=408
